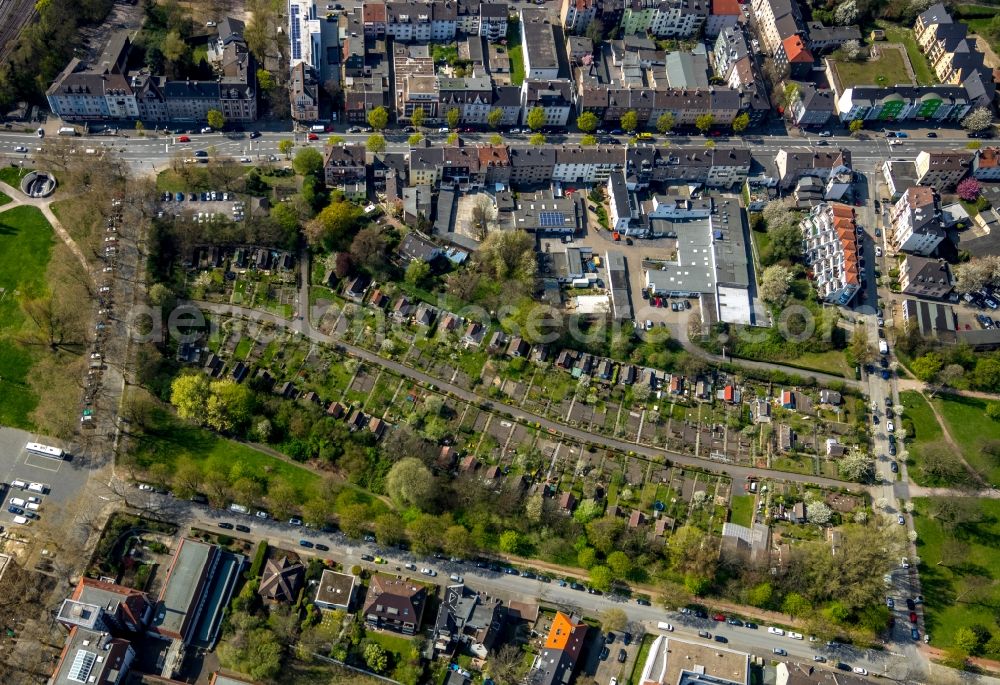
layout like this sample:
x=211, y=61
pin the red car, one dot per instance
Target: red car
x=313, y=136
x=719, y=617
x=913, y=617
x=183, y=139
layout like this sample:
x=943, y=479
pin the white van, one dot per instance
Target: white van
x=795, y=636
x=21, y=520
x=318, y=128
x=67, y=131
x=665, y=627
x=17, y=501
x=18, y=484
x=455, y=578
x=239, y=508
x=38, y=487
x=33, y=506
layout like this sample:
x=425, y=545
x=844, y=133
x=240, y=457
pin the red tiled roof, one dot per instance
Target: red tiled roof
x=796, y=50
x=726, y=7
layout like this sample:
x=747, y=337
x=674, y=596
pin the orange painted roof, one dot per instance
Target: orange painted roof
x=561, y=631
x=796, y=50
x=843, y=222
x=726, y=8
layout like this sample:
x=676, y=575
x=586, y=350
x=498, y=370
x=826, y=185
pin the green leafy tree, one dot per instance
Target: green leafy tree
x=926, y=367
x=511, y=542
x=457, y=541
x=230, y=405
x=174, y=47
x=704, y=122
x=536, y=118
x=601, y=578
x=587, y=122
x=285, y=146
x=375, y=143
x=789, y=95
x=741, y=122
x=265, y=80
x=986, y=375
x=417, y=273
x=335, y=140
x=588, y=140
x=415, y=139
x=665, y=122
x=333, y=225
x=696, y=583
x=760, y=595
x=966, y=639
x=378, y=118
x=410, y=483
x=620, y=564
x=189, y=394
x=494, y=118
x=856, y=125
x=795, y=605
x=454, y=116
x=630, y=121
x=418, y=116
x=215, y=119
x=376, y=658
x=586, y=557
x=308, y=161
x=537, y=139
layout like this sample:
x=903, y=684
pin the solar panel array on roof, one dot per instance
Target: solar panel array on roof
x=551, y=219
x=83, y=664
x=296, y=34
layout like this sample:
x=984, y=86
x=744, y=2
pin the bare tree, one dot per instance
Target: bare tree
x=483, y=216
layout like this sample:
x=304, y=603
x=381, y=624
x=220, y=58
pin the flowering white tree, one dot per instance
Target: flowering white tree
x=978, y=119
x=818, y=513
x=846, y=13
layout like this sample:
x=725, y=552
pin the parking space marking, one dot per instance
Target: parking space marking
x=43, y=463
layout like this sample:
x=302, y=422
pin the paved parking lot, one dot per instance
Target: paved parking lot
x=65, y=478
x=190, y=207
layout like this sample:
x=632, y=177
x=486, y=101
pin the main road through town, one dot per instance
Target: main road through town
x=900, y=662
x=153, y=150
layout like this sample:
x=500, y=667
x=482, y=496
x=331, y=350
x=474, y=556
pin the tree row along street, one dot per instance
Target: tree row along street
x=516, y=413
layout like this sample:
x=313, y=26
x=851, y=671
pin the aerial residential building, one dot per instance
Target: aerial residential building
x=928, y=278
x=558, y=659
x=776, y=21
x=373, y=16
x=469, y=620
x=415, y=79
x=623, y=210
x=303, y=90
x=812, y=106
x=93, y=657
x=555, y=96
x=472, y=96
x=724, y=14
x=953, y=54
x=825, y=38
x=824, y=165
x=830, y=249
x=281, y=580
x=986, y=164
x=305, y=34
x=422, y=22
x=344, y=165
x=576, y=15
x=493, y=20
x=394, y=604
x=942, y=170
x=335, y=590
x=731, y=46
x=540, y=45
x=617, y=283
x=678, y=18
x=102, y=606
x=793, y=55
x=916, y=225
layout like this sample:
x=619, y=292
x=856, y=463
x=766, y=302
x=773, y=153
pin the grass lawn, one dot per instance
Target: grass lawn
x=949, y=604
x=832, y=362
x=389, y=642
x=640, y=658
x=742, y=506
x=25, y=248
x=174, y=440
x=12, y=175
x=4, y=199
x=514, y=53
x=969, y=425
x=922, y=70
x=926, y=430
x=888, y=70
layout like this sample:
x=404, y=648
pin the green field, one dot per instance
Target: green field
x=742, y=506
x=831, y=362
x=12, y=175
x=25, y=248
x=514, y=53
x=4, y=199
x=971, y=427
x=173, y=440
x=922, y=70
x=888, y=70
x=951, y=599
x=926, y=429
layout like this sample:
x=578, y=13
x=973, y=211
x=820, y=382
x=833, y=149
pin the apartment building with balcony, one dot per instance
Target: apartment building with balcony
x=916, y=225
x=831, y=251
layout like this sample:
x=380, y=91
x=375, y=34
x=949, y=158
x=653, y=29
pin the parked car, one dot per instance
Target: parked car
x=622, y=656
x=705, y=634
x=306, y=543
x=779, y=651
x=367, y=557
x=604, y=653
x=225, y=526
x=184, y=139
x=242, y=528
x=322, y=548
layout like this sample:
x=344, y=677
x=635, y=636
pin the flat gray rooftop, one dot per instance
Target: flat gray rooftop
x=178, y=595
